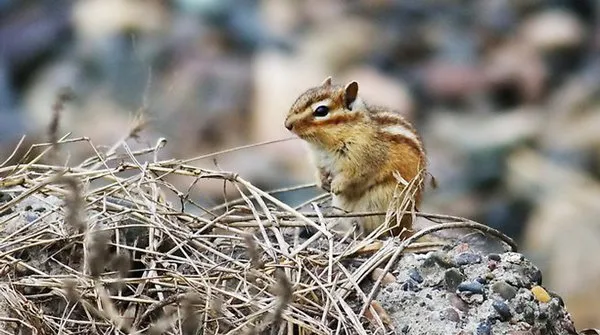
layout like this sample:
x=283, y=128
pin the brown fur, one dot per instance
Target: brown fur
x=354, y=149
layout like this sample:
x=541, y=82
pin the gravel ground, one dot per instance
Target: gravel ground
x=465, y=292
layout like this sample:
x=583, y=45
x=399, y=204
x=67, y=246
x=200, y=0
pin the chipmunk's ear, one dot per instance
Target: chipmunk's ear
x=326, y=82
x=350, y=94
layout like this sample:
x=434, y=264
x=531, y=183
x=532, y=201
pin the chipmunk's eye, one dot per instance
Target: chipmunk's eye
x=321, y=111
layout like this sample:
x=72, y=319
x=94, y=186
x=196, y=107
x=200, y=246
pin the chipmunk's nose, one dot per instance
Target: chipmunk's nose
x=289, y=124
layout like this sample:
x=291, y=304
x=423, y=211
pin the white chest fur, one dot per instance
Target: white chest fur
x=324, y=159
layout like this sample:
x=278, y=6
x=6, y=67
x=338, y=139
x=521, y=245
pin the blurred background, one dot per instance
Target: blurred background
x=504, y=92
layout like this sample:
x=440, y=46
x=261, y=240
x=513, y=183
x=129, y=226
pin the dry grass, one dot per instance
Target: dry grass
x=114, y=256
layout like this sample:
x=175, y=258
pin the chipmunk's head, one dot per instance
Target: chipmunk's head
x=326, y=111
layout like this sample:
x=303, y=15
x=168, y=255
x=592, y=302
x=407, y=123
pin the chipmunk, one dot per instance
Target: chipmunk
x=365, y=155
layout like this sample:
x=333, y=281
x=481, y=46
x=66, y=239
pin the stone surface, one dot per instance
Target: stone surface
x=497, y=301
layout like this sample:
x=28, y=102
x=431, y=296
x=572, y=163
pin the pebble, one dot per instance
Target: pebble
x=484, y=328
x=536, y=277
x=387, y=279
x=410, y=285
x=471, y=286
x=516, y=282
x=494, y=257
x=465, y=258
x=452, y=315
x=489, y=276
x=442, y=260
x=415, y=275
x=504, y=290
x=4, y=197
x=452, y=278
x=518, y=308
x=462, y=247
x=515, y=258
x=458, y=303
x=529, y=315
x=540, y=294
x=472, y=299
x=405, y=329
x=526, y=295
x=457, y=297
x=30, y=217
x=561, y=302
x=7, y=211
x=502, y=309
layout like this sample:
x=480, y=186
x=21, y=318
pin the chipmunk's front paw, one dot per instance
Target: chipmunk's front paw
x=338, y=186
x=325, y=178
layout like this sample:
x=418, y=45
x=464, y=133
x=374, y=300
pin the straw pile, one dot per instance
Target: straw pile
x=97, y=248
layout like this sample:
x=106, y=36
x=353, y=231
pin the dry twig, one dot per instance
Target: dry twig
x=148, y=267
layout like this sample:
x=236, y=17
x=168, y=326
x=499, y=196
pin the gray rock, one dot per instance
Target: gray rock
x=452, y=315
x=472, y=287
x=502, y=309
x=415, y=275
x=465, y=258
x=452, y=278
x=458, y=303
x=504, y=290
x=491, y=306
x=484, y=328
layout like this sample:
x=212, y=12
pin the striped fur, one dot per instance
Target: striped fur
x=362, y=148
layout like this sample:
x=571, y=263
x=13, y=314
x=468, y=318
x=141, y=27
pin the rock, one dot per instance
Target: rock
x=514, y=74
x=484, y=132
x=559, y=254
x=473, y=287
x=387, y=279
x=514, y=258
x=495, y=307
x=458, y=303
x=97, y=19
x=449, y=81
x=502, y=309
x=529, y=315
x=472, y=299
x=415, y=275
x=280, y=17
x=442, y=260
x=561, y=303
x=541, y=294
x=504, y=290
x=553, y=29
x=379, y=88
x=410, y=285
x=484, y=328
x=465, y=258
x=381, y=313
x=536, y=276
x=452, y=278
x=452, y=315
